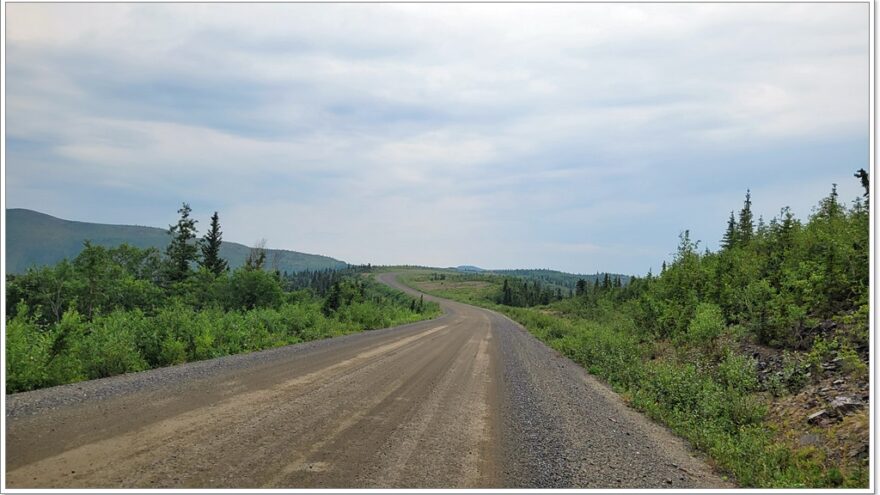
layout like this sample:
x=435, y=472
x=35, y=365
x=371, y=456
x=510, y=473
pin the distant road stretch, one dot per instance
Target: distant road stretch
x=469, y=399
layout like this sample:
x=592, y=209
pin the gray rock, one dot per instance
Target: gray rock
x=842, y=405
x=817, y=416
x=860, y=452
x=809, y=439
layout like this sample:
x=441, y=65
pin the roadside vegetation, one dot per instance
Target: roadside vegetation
x=756, y=353
x=117, y=310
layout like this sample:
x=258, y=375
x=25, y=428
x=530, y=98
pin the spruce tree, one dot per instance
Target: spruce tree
x=786, y=228
x=730, y=235
x=211, y=248
x=746, y=222
x=183, y=250
x=506, y=294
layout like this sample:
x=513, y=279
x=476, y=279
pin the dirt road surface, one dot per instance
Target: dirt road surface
x=469, y=399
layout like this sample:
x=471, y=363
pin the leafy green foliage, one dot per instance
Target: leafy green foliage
x=125, y=309
x=122, y=341
x=707, y=324
x=28, y=351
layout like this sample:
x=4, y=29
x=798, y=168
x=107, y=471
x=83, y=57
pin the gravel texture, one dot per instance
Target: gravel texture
x=563, y=428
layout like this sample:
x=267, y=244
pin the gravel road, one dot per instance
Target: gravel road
x=469, y=399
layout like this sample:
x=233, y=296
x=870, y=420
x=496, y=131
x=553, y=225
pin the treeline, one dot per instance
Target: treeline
x=560, y=279
x=776, y=279
x=527, y=290
x=321, y=281
x=116, y=310
x=523, y=293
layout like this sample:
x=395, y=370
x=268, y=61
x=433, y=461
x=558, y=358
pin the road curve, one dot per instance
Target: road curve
x=468, y=399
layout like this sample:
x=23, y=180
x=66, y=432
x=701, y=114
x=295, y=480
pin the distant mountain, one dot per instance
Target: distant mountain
x=34, y=238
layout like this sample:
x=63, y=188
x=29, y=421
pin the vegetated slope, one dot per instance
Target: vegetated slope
x=34, y=238
x=758, y=353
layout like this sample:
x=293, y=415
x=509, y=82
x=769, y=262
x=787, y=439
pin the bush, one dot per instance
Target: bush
x=27, y=353
x=67, y=337
x=738, y=373
x=707, y=324
x=851, y=362
x=249, y=289
x=111, y=348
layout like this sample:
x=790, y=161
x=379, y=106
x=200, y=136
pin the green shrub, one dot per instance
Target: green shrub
x=249, y=289
x=173, y=351
x=65, y=365
x=707, y=324
x=110, y=347
x=794, y=372
x=738, y=373
x=851, y=362
x=27, y=353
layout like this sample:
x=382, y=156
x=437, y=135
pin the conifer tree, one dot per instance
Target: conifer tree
x=746, y=222
x=211, y=248
x=183, y=250
x=507, y=294
x=730, y=235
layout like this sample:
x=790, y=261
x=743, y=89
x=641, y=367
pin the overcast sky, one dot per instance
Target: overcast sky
x=579, y=137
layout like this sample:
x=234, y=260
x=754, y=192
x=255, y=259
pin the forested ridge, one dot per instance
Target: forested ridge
x=122, y=309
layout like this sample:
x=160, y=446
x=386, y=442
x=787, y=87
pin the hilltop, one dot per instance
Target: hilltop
x=34, y=238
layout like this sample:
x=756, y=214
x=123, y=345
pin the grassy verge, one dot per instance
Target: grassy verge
x=702, y=388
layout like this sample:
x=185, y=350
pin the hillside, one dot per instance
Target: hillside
x=34, y=238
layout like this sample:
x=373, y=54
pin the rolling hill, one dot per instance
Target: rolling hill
x=34, y=238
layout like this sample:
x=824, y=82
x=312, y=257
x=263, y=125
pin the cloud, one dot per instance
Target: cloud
x=493, y=134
